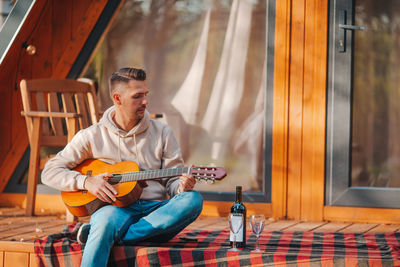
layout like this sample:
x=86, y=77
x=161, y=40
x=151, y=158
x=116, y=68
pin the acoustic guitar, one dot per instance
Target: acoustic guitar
x=126, y=180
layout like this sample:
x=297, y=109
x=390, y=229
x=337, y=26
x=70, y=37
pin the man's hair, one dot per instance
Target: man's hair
x=124, y=75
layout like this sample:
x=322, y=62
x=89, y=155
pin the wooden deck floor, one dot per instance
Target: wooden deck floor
x=15, y=226
x=17, y=231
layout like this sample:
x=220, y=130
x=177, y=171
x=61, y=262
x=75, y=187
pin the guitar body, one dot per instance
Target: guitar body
x=127, y=181
x=83, y=203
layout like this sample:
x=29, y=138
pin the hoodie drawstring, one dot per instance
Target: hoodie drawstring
x=119, y=147
x=137, y=151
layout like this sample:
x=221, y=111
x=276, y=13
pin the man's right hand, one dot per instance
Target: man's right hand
x=98, y=186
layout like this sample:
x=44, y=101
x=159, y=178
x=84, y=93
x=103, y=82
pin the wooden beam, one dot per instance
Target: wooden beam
x=32, y=259
x=314, y=110
x=16, y=246
x=295, y=134
x=362, y=215
x=280, y=109
x=299, y=109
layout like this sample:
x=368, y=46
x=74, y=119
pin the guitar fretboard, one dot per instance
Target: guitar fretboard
x=148, y=175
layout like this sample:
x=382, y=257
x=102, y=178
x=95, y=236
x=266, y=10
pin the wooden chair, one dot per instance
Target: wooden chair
x=54, y=110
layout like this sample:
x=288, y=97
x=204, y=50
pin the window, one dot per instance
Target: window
x=207, y=73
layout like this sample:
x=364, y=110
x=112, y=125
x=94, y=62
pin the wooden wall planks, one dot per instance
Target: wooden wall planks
x=16, y=259
x=59, y=30
x=62, y=19
x=79, y=37
x=14, y=65
x=295, y=134
x=314, y=110
x=32, y=260
x=280, y=109
x=17, y=254
x=299, y=119
x=299, y=109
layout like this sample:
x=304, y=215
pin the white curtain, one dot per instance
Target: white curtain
x=186, y=100
x=229, y=82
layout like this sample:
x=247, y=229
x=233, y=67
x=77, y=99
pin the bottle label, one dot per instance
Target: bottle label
x=236, y=227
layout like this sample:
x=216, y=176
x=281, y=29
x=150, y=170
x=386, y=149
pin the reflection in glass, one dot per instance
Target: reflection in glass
x=206, y=72
x=376, y=95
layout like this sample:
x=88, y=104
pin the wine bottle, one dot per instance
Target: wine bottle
x=238, y=217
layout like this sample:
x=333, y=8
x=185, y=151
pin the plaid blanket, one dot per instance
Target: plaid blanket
x=210, y=248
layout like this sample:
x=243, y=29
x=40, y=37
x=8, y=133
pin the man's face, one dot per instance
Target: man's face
x=132, y=99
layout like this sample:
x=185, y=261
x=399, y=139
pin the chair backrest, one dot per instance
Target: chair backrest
x=56, y=101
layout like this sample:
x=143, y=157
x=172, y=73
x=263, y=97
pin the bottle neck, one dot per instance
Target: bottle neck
x=238, y=194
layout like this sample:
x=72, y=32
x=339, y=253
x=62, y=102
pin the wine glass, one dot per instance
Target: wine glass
x=257, y=222
x=235, y=225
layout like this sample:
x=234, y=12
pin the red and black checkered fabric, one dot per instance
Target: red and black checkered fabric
x=211, y=249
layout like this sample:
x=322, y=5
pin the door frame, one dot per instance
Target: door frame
x=339, y=191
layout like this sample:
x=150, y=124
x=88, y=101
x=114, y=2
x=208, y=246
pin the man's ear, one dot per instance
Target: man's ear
x=116, y=98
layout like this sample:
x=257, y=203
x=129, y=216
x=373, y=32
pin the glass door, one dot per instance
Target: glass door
x=363, y=113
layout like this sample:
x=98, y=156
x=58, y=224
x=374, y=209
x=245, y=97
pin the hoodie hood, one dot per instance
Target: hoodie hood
x=139, y=128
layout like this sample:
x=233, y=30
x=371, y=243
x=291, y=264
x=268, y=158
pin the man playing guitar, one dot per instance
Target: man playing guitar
x=126, y=133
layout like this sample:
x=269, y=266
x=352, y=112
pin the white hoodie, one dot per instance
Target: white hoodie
x=151, y=144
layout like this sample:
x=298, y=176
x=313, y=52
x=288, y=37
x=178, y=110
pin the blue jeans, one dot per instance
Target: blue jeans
x=156, y=221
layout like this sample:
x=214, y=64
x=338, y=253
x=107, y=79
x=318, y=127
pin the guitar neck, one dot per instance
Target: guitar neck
x=148, y=175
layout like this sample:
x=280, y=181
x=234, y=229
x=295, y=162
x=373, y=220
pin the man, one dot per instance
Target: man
x=126, y=132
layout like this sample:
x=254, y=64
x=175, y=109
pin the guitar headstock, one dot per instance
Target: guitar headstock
x=211, y=174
